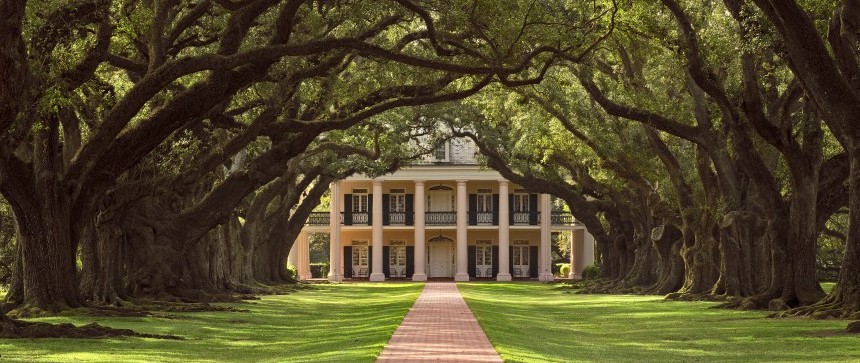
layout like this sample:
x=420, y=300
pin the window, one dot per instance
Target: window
x=397, y=202
x=521, y=202
x=484, y=256
x=441, y=152
x=397, y=256
x=397, y=259
x=359, y=259
x=521, y=261
x=359, y=203
x=485, y=201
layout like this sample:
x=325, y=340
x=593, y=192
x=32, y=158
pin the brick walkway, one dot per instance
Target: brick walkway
x=439, y=328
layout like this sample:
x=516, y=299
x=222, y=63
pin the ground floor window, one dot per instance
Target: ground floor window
x=484, y=261
x=397, y=261
x=359, y=261
x=521, y=261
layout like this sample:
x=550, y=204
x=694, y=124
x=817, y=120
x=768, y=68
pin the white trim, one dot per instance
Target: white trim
x=431, y=173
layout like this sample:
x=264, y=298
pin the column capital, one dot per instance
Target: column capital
x=419, y=181
x=504, y=182
x=378, y=181
x=461, y=181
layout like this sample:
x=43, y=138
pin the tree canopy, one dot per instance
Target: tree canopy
x=176, y=147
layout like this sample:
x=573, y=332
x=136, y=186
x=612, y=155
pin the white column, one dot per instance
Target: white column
x=462, y=222
x=545, y=249
x=504, y=233
x=587, y=249
x=293, y=257
x=420, y=260
x=304, y=264
x=376, y=234
x=334, y=273
x=576, y=262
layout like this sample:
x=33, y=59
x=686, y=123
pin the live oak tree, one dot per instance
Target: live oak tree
x=826, y=65
x=753, y=194
x=97, y=98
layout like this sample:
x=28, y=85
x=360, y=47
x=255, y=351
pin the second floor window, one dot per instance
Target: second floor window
x=521, y=203
x=485, y=202
x=359, y=203
x=397, y=202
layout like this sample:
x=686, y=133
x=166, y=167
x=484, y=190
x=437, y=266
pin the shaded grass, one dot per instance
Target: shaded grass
x=530, y=322
x=323, y=323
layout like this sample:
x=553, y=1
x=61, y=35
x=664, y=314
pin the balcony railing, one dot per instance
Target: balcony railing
x=319, y=219
x=440, y=218
x=520, y=218
x=561, y=219
x=397, y=218
x=484, y=218
x=360, y=218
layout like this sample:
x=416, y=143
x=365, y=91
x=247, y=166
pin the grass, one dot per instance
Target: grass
x=529, y=322
x=323, y=323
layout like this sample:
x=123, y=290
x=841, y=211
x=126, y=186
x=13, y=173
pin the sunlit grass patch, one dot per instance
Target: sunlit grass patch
x=530, y=322
x=324, y=323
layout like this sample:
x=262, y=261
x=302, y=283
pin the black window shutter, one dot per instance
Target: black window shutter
x=386, y=200
x=533, y=261
x=495, y=211
x=511, y=209
x=533, y=210
x=511, y=260
x=386, y=267
x=495, y=260
x=473, y=209
x=370, y=209
x=347, y=261
x=369, y=260
x=410, y=209
x=410, y=261
x=347, y=209
x=472, y=250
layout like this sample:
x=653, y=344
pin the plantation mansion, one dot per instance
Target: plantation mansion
x=442, y=217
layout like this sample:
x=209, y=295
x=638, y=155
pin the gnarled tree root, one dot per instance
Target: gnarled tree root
x=683, y=296
x=831, y=307
x=755, y=303
x=168, y=306
x=16, y=329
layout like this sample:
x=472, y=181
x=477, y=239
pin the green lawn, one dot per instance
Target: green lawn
x=324, y=323
x=530, y=322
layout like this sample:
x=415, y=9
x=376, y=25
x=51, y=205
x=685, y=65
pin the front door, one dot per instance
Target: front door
x=359, y=261
x=521, y=261
x=440, y=260
x=397, y=261
x=483, y=261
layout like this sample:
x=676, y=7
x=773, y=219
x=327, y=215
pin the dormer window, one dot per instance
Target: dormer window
x=441, y=152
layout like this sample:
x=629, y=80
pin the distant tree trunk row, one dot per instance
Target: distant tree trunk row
x=172, y=150
x=708, y=158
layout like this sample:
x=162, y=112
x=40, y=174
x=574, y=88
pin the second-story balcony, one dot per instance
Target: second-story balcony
x=319, y=219
x=562, y=219
x=440, y=218
x=357, y=218
x=484, y=218
x=520, y=218
x=397, y=218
